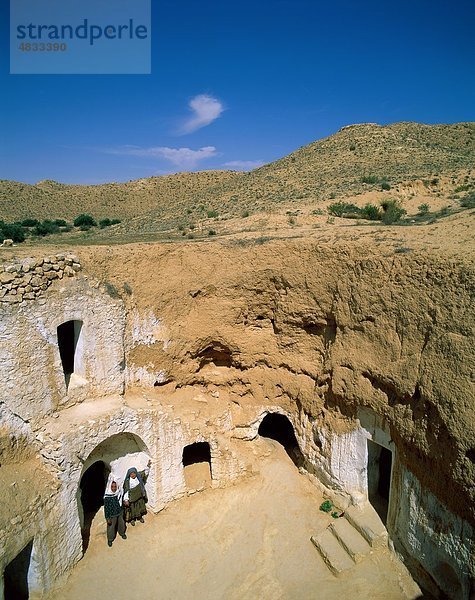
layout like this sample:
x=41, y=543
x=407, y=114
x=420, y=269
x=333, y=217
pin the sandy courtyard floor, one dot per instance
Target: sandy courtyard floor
x=251, y=540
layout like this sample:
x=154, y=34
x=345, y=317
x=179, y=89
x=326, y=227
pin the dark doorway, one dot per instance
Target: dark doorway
x=197, y=465
x=16, y=575
x=379, y=478
x=68, y=336
x=93, y=487
x=278, y=427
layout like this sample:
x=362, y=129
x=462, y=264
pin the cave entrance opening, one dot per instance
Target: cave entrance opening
x=114, y=454
x=197, y=465
x=69, y=334
x=16, y=575
x=379, y=469
x=279, y=428
x=92, y=486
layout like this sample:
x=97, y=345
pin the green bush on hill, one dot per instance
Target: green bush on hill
x=370, y=212
x=84, y=220
x=341, y=209
x=392, y=211
x=12, y=231
x=29, y=222
x=47, y=227
x=369, y=179
x=468, y=201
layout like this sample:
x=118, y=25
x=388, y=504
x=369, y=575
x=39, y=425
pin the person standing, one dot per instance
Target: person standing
x=113, y=510
x=135, y=495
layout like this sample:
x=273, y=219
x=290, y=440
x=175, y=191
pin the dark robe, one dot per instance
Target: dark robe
x=137, y=499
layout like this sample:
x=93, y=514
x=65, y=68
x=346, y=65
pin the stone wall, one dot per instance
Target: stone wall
x=29, y=278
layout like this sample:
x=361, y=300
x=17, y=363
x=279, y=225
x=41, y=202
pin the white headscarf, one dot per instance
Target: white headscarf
x=118, y=492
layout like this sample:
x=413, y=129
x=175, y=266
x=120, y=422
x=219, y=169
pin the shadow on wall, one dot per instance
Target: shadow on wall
x=278, y=427
x=16, y=575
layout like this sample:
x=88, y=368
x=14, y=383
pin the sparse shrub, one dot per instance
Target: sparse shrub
x=434, y=181
x=369, y=179
x=190, y=236
x=371, y=212
x=104, y=223
x=211, y=232
x=341, y=209
x=468, y=201
x=462, y=188
x=29, y=222
x=84, y=220
x=423, y=209
x=212, y=214
x=291, y=221
x=326, y=506
x=188, y=211
x=85, y=227
x=385, y=186
x=392, y=211
x=60, y=222
x=332, y=196
x=46, y=227
x=352, y=147
x=318, y=211
x=127, y=289
x=115, y=221
x=245, y=214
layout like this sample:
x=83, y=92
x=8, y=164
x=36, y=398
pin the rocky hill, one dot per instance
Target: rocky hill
x=355, y=159
x=50, y=199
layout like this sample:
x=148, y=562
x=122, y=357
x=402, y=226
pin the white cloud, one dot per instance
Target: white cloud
x=245, y=165
x=205, y=109
x=185, y=158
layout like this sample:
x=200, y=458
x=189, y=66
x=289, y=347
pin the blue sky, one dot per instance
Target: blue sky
x=240, y=84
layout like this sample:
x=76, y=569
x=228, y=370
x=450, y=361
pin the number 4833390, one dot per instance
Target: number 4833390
x=42, y=47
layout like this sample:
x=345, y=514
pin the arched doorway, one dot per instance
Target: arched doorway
x=92, y=486
x=197, y=465
x=115, y=454
x=279, y=428
x=379, y=478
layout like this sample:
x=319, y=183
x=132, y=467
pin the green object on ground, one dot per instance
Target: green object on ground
x=326, y=506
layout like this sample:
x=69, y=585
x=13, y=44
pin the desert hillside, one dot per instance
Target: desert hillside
x=50, y=199
x=357, y=160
